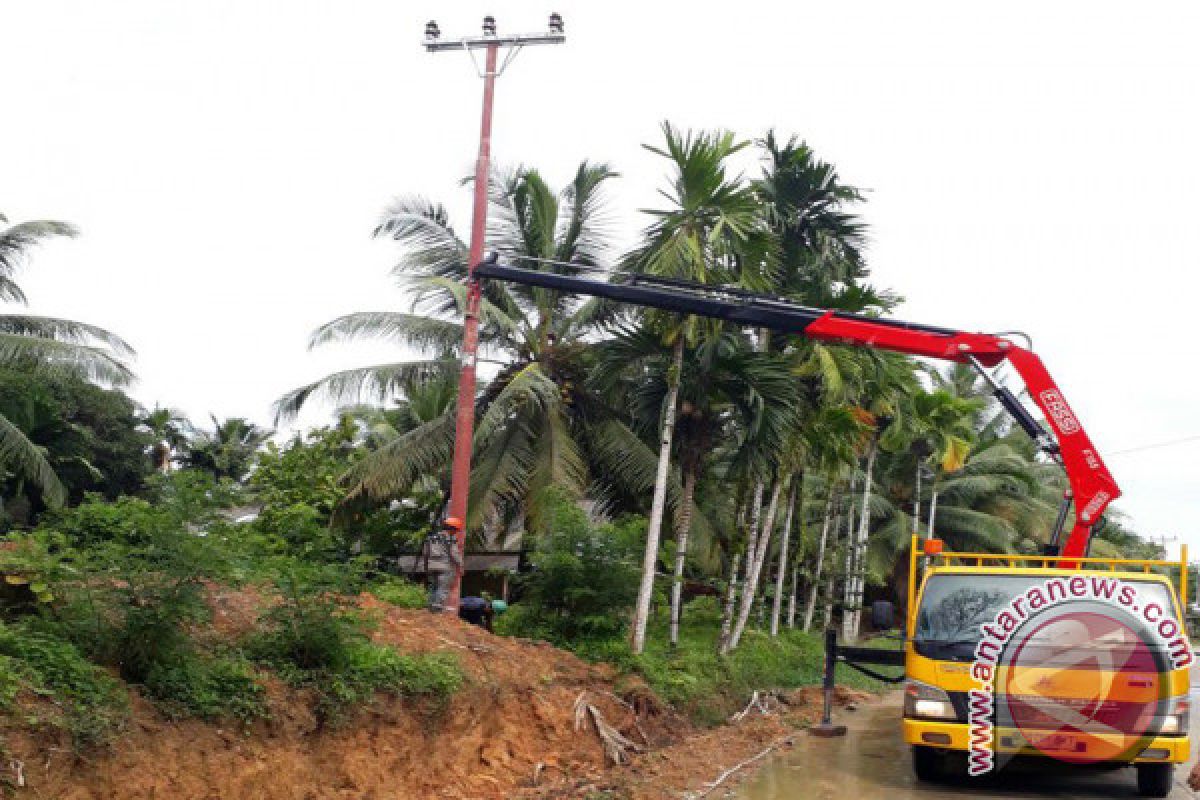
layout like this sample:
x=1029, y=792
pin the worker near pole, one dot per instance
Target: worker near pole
x=442, y=562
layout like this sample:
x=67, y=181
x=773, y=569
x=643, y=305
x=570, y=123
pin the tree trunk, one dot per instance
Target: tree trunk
x=932, y=512
x=777, y=605
x=848, y=556
x=681, y=543
x=859, y=579
x=754, y=568
x=791, y=612
x=641, y=611
x=727, y=611
x=917, y=502
x=815, y=586
x=840, y=537
x=751, y=551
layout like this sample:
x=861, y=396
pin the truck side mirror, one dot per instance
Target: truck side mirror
x=883, y=615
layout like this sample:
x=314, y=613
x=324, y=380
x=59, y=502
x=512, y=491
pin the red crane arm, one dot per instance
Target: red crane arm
x=1092, y=486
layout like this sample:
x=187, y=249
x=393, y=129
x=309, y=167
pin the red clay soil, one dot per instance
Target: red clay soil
x=510, y=732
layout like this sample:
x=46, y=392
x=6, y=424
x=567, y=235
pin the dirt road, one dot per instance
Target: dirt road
x=871, y=762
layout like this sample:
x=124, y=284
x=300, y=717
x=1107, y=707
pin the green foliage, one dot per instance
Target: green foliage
x=30, y=566
x=227, y=451
x=583, y=581
x=87, y=701
x=210, y=687
x=89, y=435
x=140, y=573
x=129, y=521
x=312, y=640
x=300, y=488
x=399, y=592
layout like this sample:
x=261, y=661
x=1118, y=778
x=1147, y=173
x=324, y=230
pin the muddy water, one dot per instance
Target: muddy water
x=871, y=762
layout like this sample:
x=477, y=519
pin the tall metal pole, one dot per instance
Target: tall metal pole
x=464, y=427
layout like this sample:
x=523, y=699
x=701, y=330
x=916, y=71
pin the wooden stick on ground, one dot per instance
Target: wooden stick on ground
x=724, y=776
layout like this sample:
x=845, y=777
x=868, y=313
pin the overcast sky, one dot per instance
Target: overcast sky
x=1032, y=166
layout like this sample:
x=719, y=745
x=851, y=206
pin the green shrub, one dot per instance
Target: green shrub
x=208, y=687
x=312, y=640
x=400, y=592
x=31, y=565
x=584, y=579
x=88, y=702
x=127, y=520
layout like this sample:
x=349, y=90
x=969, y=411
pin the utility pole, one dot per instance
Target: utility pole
x=464, y=428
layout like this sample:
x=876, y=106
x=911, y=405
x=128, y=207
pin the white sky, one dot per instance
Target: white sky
x=1033, y=166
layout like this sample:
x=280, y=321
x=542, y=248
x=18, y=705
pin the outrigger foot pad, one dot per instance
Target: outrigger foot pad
x=827, y=730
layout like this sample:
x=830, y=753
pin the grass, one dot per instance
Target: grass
x=707, y=687
x=86, y=701
x=312, y=641
x=399, y=592
x=210, y=687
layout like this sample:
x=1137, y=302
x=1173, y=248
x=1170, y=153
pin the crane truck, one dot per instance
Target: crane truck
x=1125, y=697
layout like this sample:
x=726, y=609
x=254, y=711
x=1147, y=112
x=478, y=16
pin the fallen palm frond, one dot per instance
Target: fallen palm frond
x=616, y=744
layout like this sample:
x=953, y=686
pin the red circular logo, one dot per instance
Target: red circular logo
x=1081, y=686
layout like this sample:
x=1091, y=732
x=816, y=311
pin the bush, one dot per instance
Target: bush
x=312, y=640
x=583, y=581
x=87, y=701
x=208, y=687
x=400, y=592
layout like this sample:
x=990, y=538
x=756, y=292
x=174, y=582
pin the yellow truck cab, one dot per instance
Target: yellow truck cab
x=952, y=596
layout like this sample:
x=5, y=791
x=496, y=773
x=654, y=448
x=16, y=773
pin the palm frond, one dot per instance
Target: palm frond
x=377, y=383
x=15, y=243
x=419, y=332
x=93, y=363
x=425, y=450
x=64, y=330
x=26, y=459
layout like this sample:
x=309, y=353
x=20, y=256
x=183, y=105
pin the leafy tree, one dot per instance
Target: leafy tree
x=89, y=435
x=583, y=580
x=227, y=451
x=53, y=344
x=537, y=424
x=712, y=231
x=303, y=511
x=169, y=433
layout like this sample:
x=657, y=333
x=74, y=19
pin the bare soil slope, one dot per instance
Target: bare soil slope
x=511, y=732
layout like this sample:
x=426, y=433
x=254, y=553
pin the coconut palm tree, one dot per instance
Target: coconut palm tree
x=226, y=451
x=48, y=343
x=712, y=231
x=169, y=431
x=727, y=390
x=538, y=424
x=945, y=424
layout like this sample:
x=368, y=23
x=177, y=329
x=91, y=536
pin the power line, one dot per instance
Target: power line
x=1156, y=445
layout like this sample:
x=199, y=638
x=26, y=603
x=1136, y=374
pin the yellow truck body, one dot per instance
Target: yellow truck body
x=946, y=671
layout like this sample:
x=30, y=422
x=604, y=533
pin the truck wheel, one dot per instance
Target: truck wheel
x=1155, y=780
x=927, y=764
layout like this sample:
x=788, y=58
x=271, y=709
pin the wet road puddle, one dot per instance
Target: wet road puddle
x=871, y=763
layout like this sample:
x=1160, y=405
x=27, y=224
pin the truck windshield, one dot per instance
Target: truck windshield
x=953, y=607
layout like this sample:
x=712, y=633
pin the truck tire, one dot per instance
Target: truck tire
x=1155, y=780
x=927, y=764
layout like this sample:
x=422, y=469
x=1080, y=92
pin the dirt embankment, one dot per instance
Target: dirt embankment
x=511, y=732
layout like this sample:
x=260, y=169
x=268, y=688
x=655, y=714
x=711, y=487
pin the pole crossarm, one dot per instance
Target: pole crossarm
x=484, y=42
